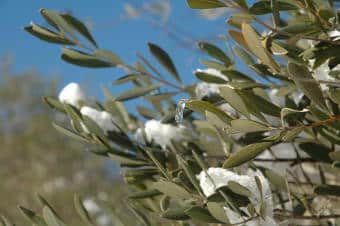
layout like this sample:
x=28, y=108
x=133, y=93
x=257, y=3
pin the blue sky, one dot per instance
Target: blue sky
x=125, y=38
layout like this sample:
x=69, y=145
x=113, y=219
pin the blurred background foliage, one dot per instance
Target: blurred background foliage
x=35, y=158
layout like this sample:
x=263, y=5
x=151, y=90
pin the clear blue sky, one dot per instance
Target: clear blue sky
x=124, y=38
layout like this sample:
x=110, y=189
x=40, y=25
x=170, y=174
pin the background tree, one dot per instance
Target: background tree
x=257, y=147
x=33, y=157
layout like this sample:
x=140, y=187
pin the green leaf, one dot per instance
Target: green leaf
x=239, y=189
x=137, y=92
x=126, y=78
x=54, y=103
x=305, y=81
x=334, y=94
x=50, y=217
x=239, y=39
x=259, y=185
x=264, y=7
x=324, y=189
x=68, y=132
x=80, y=27
x=205, y=4
x=57, y=21
x=299, y=28
x=206, y=77
x=127, y=160
x=316, y=151
x=202, y=106
x=234, y=76
x=257, y=103
x=47, y=35
x=275, y=179
x=243, y=55
x=253, y=42
x=237, y=19
x=215, y=52
x=81, y=210
x=33, y=217
x=144, y=194
x=291, y=134
x=93, y=127
x=75, y=117
x=246, y=154
x=217, y=211
x=201, y=214
x=83, y=59
x=175, y=214
x=248, y=126
x=235, y=100
x=164, y=59
x=171, y=189
x=189, y=172
x=108, y=56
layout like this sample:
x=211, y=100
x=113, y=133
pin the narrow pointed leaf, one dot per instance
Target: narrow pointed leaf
x=32, y=216
x=69, y=133
x=81, y=210
x=54, y=103
x=57, y=21
x=164, y=59
x=324, y=189
x=83, y=59
x=305, y=81
x=108, y=56
x=205, y=4
x=50, y=218
x=217, y=211
x=176, y=214
x=80, y=27
x=239, y=189
x=206, y=77
x=248, y=126
x=235, y=100
x=144, y=194
x=203, y=106
x=136, y=92
x=201, y=214
x=127, y=160
x=254, y=44
x=47, y=35
x=214, y=52
x=246, y=154
x=171, y=189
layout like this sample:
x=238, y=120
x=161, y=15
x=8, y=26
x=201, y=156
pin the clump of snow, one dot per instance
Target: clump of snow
x=72, y=94
x=161, y=133
x=321, y=73
x=207, y=89
x=103, y=220
x=215, y=178
x=334, y=34
x=91, y=206
x=103, y=119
